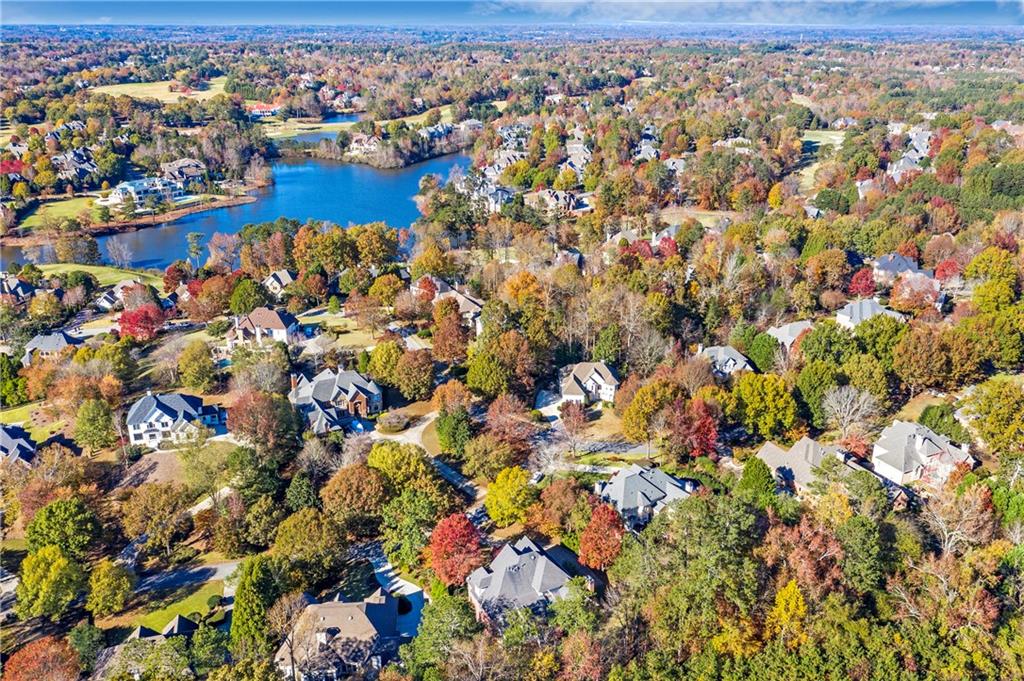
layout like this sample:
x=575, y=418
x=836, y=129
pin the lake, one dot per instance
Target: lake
x=343, y=193
x=315, y=137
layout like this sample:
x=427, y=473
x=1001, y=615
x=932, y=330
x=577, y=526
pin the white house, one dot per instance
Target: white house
x=906, y=452
x=140, y=191
x=277, y=282
x=588, y=382
x=263, y=325
x=171, y=417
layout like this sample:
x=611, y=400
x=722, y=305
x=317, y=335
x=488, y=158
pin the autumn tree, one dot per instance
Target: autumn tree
x=601, y=541
x=765, y=403
x=450, y=340
x=574, y=420
x=786, y=619
x=160, y=511
x=638, y=419
x=266, y=420
x=847, y=408
x=414, y=374
x=354, y=497
x=197, y=368
x=692, y=429
x=455, y=549
x=110, y=587
x=45, y=659
x=48, y=584
x=509, y=497
x=142, y=323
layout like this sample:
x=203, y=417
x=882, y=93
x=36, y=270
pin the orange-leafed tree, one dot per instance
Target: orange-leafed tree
x=601, y=541
x=455, y=549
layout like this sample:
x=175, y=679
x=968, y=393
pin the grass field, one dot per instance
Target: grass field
x=674, y=215
x=107, y=276
x=292, y=127
x=160, y=90
x=18, y=414
x=68, y=208
x=813, y=141
x=41, y=431
x=160, y=608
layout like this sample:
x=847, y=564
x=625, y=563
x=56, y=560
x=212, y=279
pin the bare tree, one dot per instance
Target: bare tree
x=647, y=349
x=481, y=658
x=961, y=521
x=574, y=420
x=119, y=253
x=847, y=408
x=285, y=621
x=695, y=373
x=318, y=459
x=355, y=449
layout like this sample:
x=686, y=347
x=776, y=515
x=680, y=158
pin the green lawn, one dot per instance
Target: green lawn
x=161, y=607
x=160, y=90
x=12, y=552
x=23, y=415
x=18, y=414
x=813, y=141
x=106, y=275
x=67, y=208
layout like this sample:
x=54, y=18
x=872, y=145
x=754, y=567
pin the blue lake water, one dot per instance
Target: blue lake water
x=328, y=134
x=344, y=193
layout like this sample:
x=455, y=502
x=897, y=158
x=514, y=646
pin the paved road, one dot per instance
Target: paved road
x=172, y=579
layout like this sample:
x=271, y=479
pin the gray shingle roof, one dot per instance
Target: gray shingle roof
x=579, y=374
x=16, y=444
x=48, y=343
x=176, y=406
x=906, y=446
x=726, y=359
x=521, y=576
x=635, y=489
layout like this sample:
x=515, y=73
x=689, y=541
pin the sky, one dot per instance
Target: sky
x=516, y=12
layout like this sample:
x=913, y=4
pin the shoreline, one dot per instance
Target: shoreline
x=109, y=228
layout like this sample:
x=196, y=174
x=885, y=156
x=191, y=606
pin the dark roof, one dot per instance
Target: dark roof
x=16, y=444
x=174, y=405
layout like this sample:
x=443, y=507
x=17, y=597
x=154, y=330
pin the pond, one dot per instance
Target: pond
x=318, y=135
x=343, y=193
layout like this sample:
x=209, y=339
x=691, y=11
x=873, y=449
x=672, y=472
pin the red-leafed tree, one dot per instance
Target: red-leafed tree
x=142, y=323
x=174, y=276
x=693, y=429
x=450, y=340
x=581, y=658
x=267, y=422
x=46, y=659
x=668, y=247
x=946, y=270
x=862, y=283
x=455, y=549
x=601, y=541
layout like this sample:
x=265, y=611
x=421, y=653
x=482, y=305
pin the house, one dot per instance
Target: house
x=906, y=452
x=114, y=296
x=556, y=201
x=141, y=192
x=75, y=165
x=891, y=265
x=332, y=398
x=857, y=311
x=639, y=493
x=110, y=660
x=866, y=187
x=277, y=282
x=726, y=360
x=336, y=639
x=184, y=170
x=47, y=345
x=907, y=164
x=16, y=445
x=794, y=469
x=588, y=382
x=261, y=110
x=787, y=334
x=172, y=417
x=522, y=575
x=264, y=325
x=14, y=291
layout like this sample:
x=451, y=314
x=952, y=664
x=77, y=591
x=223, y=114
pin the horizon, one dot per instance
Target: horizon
x=834, y=14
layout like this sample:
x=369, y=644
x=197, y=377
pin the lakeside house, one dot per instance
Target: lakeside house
x=171, y=417
x=639, y=493
x=147, y=189
x=333, y=398
x=907, y=452
x=337, y=639
x=114, y=296
x=588, y=382
x=470, y=307
x=46, y=345
x=15, y=291
x=263, y=325
x=16, y=445
x=726, y=360
x=522, y=575
x=183, y=170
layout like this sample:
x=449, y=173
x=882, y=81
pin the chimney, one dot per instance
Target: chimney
x=294, y=379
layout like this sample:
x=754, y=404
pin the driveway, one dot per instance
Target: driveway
x=389, y=579
x=172, y=579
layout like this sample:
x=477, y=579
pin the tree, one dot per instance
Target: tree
x=574, y=421
x=386, y=288
x=848, y=408
x=813, y=382
x=45, y=659
x=110, y=586
x=998, y=410
x=920, y=358
x=485, y=456
x=197, y=368
x=961, y=521
x=762, y=352
x=160, y=511
x=487, y=375
x=268, y=421
x=407, y=521
x=247, y=669
x=862, y=284
x=765, y=403
x=455, y=549
x=310, y=544
x=257, y=590
x=384, y=361
x=447, y=618
x=355, y=496
x=450, y=340
x=87, y=640
x=757, y=484
x=879, y=336
x=828, y=342
x=94, y=426
x=692, y=429
x=509, y=497
x=301, y=493
x=454, y=430
x=414, y=374
x=601, y=541
x=67, y=524
x=403, y=465
x=208, y=648
x=786, y=619
x=142, y=323
x=862, y=553
x=246, y=297
x=638, y=419
x=49, y=583
x=577, y=610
